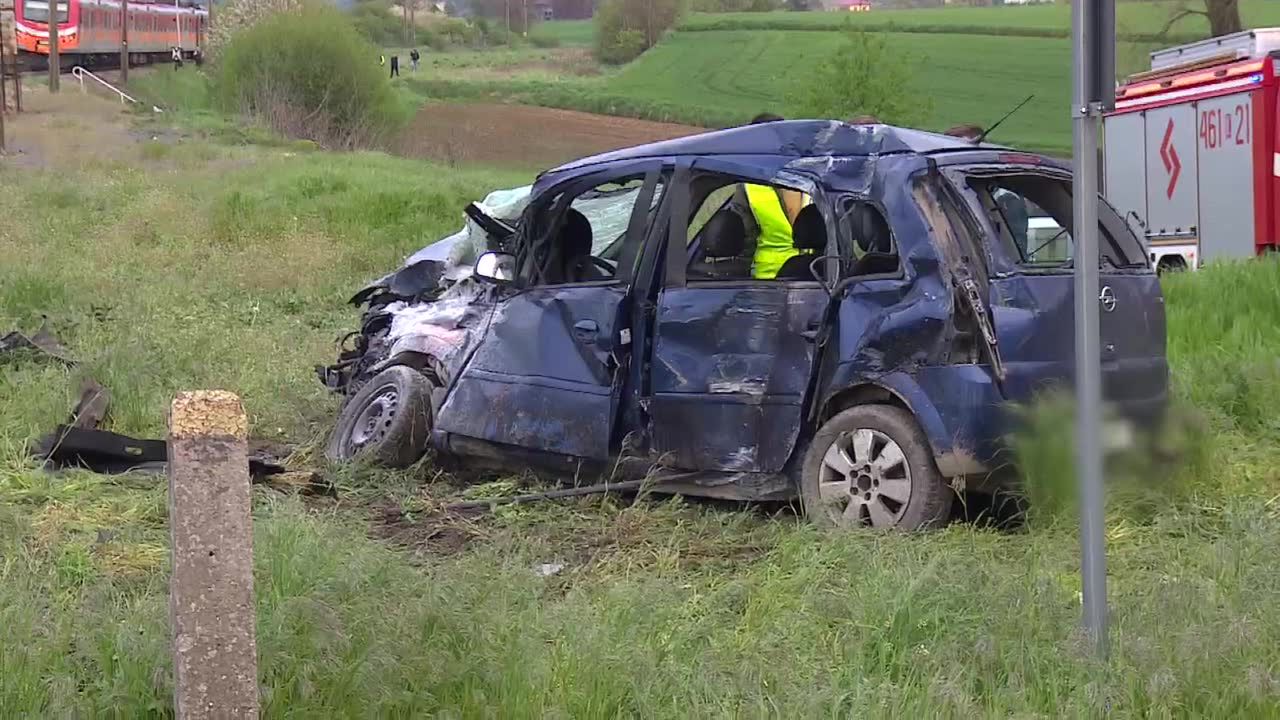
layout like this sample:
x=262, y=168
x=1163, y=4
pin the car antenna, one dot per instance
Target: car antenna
x=998, y=123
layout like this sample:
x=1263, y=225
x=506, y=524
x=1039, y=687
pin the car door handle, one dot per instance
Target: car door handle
x=585, y=330
x=811, y=333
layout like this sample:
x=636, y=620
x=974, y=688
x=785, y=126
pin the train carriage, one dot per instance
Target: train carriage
x=91, y=29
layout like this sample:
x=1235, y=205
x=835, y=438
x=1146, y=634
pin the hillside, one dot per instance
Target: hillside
x=719, y=70
x=967, y=79
x=1141, y=18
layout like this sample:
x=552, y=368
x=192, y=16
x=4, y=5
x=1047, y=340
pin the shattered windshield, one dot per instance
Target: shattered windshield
x=609, y=211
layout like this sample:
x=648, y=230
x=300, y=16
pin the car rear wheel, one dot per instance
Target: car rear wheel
x=871, y=466
x=388, y=421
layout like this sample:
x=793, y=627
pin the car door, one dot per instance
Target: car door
x=548, y=373
x=731, y=357
x=1032, y=288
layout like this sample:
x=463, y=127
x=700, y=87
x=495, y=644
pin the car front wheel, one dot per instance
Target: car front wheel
x=871, y=466
x=388, y=421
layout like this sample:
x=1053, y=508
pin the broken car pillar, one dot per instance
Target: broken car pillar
x=211, y=588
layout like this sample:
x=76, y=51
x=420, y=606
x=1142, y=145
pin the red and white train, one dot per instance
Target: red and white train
x=89, y=30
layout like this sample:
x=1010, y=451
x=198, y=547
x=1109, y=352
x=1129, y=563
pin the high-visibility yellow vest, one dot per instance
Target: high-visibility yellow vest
x=774, y=244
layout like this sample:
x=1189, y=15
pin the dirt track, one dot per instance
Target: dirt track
x=522, y=136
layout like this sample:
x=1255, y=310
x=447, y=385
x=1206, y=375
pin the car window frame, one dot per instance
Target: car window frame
x=558, y=198
x=1009, y=258
x=676, y=274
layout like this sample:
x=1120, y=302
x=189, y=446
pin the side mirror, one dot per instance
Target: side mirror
x=496, y=267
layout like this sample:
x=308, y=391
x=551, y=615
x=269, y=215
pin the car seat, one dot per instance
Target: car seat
x=809, y=237
x=871, y=233
x=576, y=237
x=723, y=242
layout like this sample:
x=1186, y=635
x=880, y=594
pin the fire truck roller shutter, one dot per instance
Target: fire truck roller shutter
x=1173, y=202
x=1226, y=136
x=1125, y=174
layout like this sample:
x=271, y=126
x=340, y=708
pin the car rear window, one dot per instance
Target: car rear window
x=1032, y=215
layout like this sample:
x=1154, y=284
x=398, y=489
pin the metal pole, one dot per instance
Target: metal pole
x=124, y=42
x=1085, y=113
x=55, y=63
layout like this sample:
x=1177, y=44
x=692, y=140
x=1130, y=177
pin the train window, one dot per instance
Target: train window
x=38, y=10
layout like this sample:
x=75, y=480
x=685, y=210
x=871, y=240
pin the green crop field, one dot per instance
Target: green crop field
x=966, y=78
x=974, y=64
x=1132, y=17
x=569, y=33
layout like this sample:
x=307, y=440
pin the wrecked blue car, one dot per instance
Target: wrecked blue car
x=616, y=326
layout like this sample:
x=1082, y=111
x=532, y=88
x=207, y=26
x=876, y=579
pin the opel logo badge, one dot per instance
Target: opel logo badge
x=1108, y=298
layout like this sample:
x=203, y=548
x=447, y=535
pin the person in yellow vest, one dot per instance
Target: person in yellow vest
x=774, y=210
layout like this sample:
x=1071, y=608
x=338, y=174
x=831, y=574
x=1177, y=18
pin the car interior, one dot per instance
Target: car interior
x=722, y=248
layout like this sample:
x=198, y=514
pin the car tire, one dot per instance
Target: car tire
x=879, y=451
x=388, y=421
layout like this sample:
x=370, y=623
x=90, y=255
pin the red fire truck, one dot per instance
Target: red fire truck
x=1192, y=150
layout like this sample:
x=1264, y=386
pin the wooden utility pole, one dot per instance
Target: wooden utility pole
x=124, y=42
x=55, y=63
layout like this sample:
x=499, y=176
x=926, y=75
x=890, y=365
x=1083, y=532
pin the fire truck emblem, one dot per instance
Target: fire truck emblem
x=1169, y=154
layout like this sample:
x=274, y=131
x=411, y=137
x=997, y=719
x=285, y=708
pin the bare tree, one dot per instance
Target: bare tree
x=1223, y=16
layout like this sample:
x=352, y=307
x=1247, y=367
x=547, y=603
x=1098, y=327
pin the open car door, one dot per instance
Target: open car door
x=547, y=375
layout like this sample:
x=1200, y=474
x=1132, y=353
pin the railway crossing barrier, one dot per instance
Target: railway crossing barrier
x=79, y=73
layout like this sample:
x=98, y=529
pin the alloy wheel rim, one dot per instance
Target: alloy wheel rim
x=864, y=480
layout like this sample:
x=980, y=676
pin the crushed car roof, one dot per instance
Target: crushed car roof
x=791, y=138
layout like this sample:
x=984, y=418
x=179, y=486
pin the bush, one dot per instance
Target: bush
x=621, y=47
x=867, y=76
x=540, y=40
x=626, y=28
x=309, y=75
x=457, y=32
x=374, y=20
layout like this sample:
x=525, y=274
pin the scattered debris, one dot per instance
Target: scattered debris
x=548, y=569
x=91, y=408
x=608, y=487
x=43, y=342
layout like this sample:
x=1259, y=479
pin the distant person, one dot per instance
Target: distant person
x=414, y=57
x=176, y=54
x=382, y=61
x=198, y=56
x=395, y=66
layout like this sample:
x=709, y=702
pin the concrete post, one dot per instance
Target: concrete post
x=211, y=589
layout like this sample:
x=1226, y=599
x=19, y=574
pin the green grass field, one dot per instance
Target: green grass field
x=966, y=80
x=569, y=33
x=720, y=70
x=1132, y=17
x=685, y=79
x=194, y=261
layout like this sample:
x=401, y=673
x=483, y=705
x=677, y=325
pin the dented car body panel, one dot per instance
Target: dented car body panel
x=715, y=384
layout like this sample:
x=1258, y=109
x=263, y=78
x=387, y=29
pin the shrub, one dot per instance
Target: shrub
x=541, y=40
x=867, y=76
x=309, y=75
x=456, y=32
x=374, y=20
x=626, y=28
